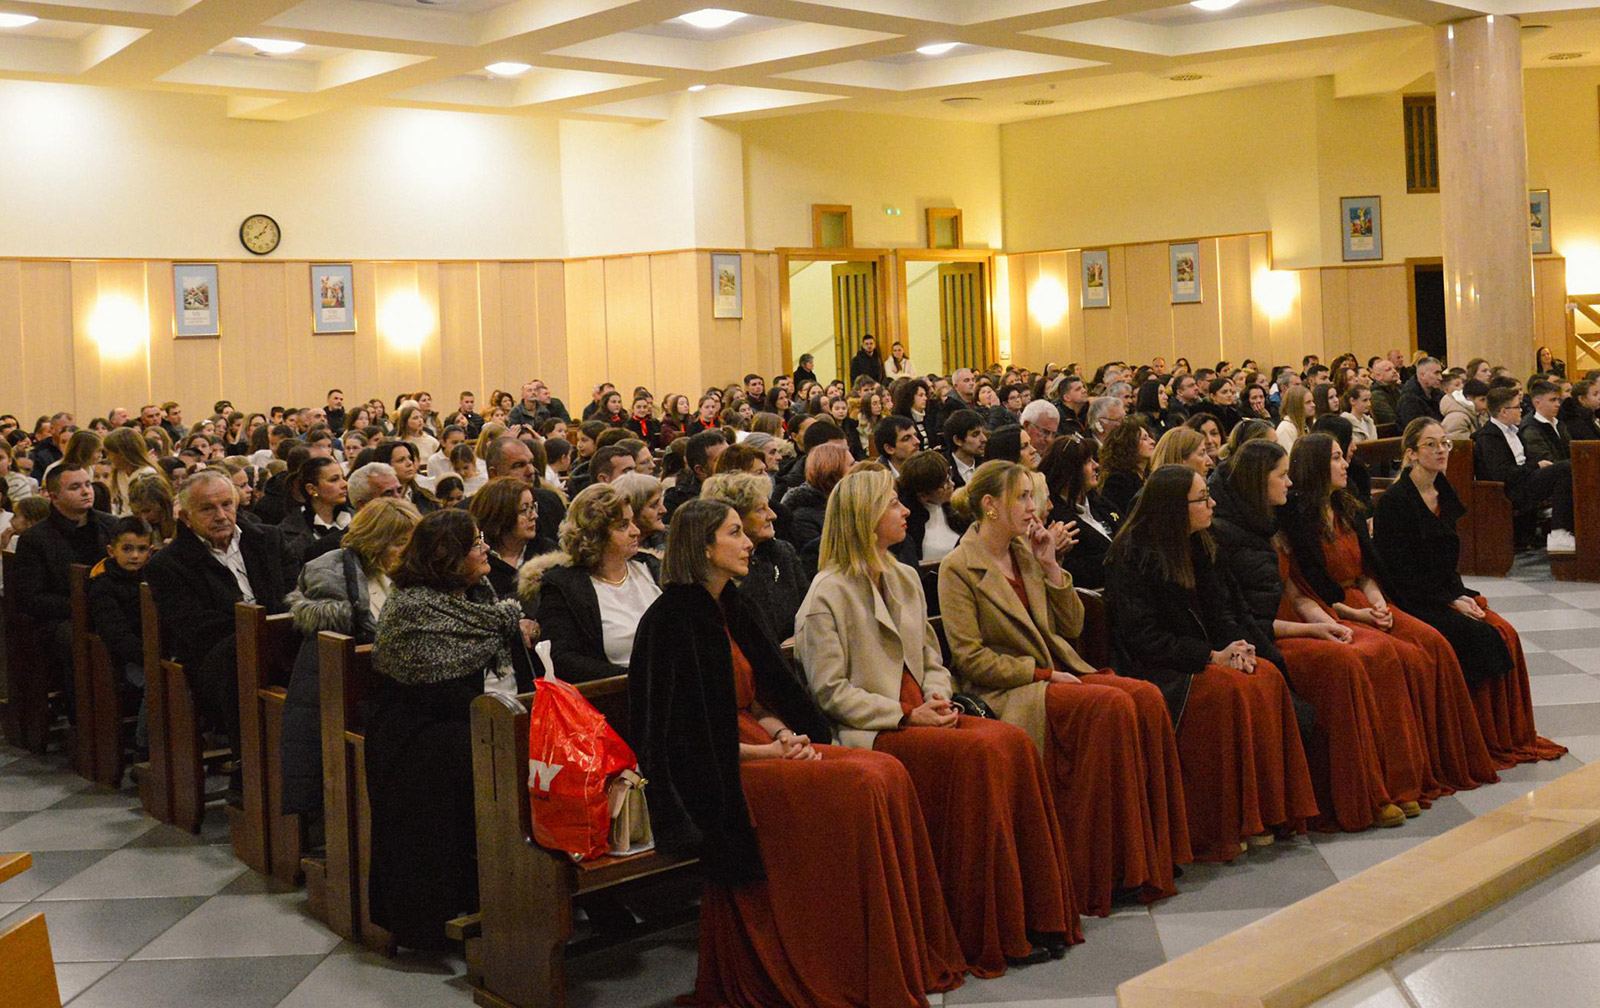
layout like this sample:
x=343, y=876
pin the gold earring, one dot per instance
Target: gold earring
x=991, y=514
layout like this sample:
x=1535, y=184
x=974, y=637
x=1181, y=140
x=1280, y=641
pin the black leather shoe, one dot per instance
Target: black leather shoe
x=1038, y=955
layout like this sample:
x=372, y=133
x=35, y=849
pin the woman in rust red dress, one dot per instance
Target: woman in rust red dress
x=1179, y=621
x=1338, y=572
x=874, y=666
x=821, y=886
x=1416, y=537
x=1008, y=609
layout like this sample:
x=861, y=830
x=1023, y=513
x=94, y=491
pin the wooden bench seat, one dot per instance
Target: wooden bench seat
x=26, y=961
x=263, y=838
x=1487, y=538
x=172, y=785
x=1584, y=565
x=27, y=701
x=101, y=736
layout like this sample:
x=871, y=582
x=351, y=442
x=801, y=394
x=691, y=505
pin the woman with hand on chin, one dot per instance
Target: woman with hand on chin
x=873, y=663
x=1416, y=537
x=821, y=887
x=1180, y=622
x=1338, y=572
x=1008, y=610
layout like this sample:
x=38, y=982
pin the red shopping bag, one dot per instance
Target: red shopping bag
x=572, y=754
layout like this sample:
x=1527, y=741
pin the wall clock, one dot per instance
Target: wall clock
x=260, y=234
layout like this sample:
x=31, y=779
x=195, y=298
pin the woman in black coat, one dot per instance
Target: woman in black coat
x=1125, y=453
x=925, y=489
x=1416, y=536
x=319, y=509
x=1179, y=621
x=1071, y=472
x=723, y=730
x=1151, y=408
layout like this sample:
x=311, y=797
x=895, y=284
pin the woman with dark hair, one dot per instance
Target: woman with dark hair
x=911, y=402
x=1338, y=572
x=1211, y=428
x=1257, y=406
x=1007, y=408
x=1151, y=407
x=1179, y=621
x=441, y=638
x=1545, y=362
x=1008, y=611
x=1246, y=431
x=1010, y=444
x=873, y=664
x=723, y=729
x=932, y=525
x=508, y=517
x=611, y=412
x=1358, y=479
x=319, y=511
x=1125, y=454
x=803, y=370
x=402, y=455
x=869, y=411
x=1071, y=473
x=1364, y=749
x=1416, y=537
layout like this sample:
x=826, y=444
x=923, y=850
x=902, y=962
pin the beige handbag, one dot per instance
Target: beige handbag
x=630, y=819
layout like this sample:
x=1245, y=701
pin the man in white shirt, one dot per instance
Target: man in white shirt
x=1500, y=455
x=968, y=438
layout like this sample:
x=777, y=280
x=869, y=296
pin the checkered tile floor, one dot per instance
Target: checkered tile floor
x=145, y=916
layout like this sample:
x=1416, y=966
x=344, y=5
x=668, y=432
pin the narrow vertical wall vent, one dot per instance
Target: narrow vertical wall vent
x=1422, y=143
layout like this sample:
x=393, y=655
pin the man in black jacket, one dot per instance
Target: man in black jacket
x=215, y=560
x=537, y=405
x=1543, y=434
x=866, y=362
x=1498, y=454
x=333, y=412
x=1420, y=396
x=1578, y=413
x=699, y=455
x=74, y=533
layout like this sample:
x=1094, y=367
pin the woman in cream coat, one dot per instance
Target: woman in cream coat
x=1108, y=744
x=873, y=663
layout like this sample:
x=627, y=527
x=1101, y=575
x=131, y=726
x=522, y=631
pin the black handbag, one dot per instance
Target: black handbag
x=973, y=706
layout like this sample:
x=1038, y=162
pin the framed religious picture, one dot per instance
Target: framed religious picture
x=1539, y=221
x=727, y=285
x=1361, y=227
x=1097, y=279
x=1184, y=261
x=333, y=306
x=194, y=300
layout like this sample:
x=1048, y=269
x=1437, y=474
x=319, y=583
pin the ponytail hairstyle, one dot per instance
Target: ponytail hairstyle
x=996, y=478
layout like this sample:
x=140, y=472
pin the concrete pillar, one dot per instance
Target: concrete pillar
x=1483, y=189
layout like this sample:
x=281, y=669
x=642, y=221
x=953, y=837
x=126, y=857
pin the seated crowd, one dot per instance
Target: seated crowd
x=1291, y=648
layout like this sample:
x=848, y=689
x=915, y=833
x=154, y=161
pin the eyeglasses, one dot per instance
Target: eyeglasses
x=1207, y=499
x=480, y=542
x=1435, y=446
x=528, y=509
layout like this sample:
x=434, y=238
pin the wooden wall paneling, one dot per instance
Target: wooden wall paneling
x=84, y=294
x=461, y=335
x=1069, y=347
x=48, y=348
x=18, y=398
x=1378, y=312
x=1104, y=330
x=364, y=342
x=1258, y=344
x=586, y=329
x=1150, y=310
x=1336, y=321
x=430, y=355
x=332, y=356
x=281, y=364
x=1236, y=308
x=675, y=323
x=1550, y=305
x=1308, y=329
x=550, y=330
x=1197, y=328
x=399, y=365
x=191, y=370
x=492, y=369
x=512, y=345
x=1044, y=341
x=761, y=329
x=630, y=352
x=1022, y=271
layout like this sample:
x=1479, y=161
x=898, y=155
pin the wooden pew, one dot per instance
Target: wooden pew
x=27, y=702
x=1584, y=565
x=98, y=749
x=1379, y=456
x=338, y=884
x=262, y=838
x=26, y=962
x=172, y=785
x=1094, y=643
x=525, y=891
x=1487, y=547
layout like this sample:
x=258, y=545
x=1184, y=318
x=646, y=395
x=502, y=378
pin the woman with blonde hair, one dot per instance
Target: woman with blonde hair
x=1183, y=446
x=412, y=426
x=1297, y=411
x=150, y=497
x=645, y=494
x=129, y=459
x=873, y=663
x=1009, y=610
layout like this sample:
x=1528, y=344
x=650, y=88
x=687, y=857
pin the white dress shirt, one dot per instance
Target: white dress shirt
x=1515, y=440
x=621, y=608
x=962, y=469
x=233, y=559
x=938, y=538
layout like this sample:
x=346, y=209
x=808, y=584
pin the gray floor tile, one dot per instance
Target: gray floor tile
x=1559, y=640
x=1583, y=659
x=244, y=926
x=1565, y=619
x=1568, y=719
x=213, y=833
x=1561, y=908
x=1582, y=599
x=1551, y=663
x=30, y=792
x=366, y=980
x=253, y=884
x=188, y=983
x=1264, y=880
x=50, y=869
x=1185, y=932
x=75, y=829
x=1355, y=853
x=1529, y=603
x=1549, y=976
x=649, y=973
x=1114, y=949
x=1584, y=748
x=1516, y=782
x=73, y=979
x=1551, y=690
x=154, y=871
x=1443, y=816
x=99, y=797
x=8, y=818
x=1499, y=588
x=101, y=930
x=1071, y=1002
x=1375, y=990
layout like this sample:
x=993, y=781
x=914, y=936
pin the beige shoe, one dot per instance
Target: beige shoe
x=1262, y=840
x=1411, y=809
x=1389, y=816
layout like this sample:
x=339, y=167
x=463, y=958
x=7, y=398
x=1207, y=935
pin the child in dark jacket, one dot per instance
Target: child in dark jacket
x=114, y=606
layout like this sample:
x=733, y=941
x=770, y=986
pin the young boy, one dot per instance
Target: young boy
x=114, y=606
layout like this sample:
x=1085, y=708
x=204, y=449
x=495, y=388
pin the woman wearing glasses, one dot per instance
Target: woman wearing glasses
x=1416, y=537
x=443, y=638
x=1179, y=621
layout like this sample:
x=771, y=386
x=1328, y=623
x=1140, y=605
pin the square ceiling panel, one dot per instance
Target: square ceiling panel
x=976, y=64
x=539, y=86
x=665, y=44
x=447, y=6
x=305, y=54
x=63, y=31
x=1177, y=34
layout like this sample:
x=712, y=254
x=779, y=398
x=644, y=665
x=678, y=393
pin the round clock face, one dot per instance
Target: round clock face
x=259, y=233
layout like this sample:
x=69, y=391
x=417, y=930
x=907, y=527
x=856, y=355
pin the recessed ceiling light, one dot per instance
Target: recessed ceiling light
x=507, y=69
x=1038, y=101
x=697, y=87
x=711, y=17
x=1566, y=55
x=937, y=48
x=1213, y=5
x=961, y=100
x=276, y=47
x=1186, y=77
x=16, y=20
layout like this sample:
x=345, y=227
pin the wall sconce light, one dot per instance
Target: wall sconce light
x=119, y=328
x=1047, y=301
x=405, y=321
x=1276, y=291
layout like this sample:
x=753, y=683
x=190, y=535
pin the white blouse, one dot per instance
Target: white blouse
x=1287, y=433
x=621, y=608
x=938, y=538
x=1366, y=428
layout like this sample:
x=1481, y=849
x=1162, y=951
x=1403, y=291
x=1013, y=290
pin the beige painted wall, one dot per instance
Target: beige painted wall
x=811, y=315
x=922, y=338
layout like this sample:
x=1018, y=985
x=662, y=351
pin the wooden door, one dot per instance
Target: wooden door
x=963, y=316
x=855, y=309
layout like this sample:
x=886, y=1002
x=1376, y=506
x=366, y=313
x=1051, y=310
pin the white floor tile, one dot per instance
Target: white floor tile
x=1375, y=990
x=1184, y=932
x=75, y=829
x=1564, y=689
x=73, y=979
x=237, y=926
x=1584, y=748
x=1493, y=588
x=1581, y=599
x=1559, y=619
x=1353, y=854
x=154, y=871
x=370, y=981
x=1584, y=659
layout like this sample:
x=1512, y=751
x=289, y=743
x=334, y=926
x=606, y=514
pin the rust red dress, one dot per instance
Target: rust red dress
x=1505, y=705
x=848, y=916
x=1117, y=784
x=1456, y=757
x=995, y=838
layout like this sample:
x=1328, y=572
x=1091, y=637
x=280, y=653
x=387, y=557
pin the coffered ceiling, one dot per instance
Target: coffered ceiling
x=632, y=59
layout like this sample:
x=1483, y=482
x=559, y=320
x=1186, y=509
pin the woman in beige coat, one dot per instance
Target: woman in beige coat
x=873, y=662
x=1107, y=740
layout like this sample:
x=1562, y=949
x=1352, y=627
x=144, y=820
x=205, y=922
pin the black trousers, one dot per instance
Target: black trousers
x=1551, y=484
